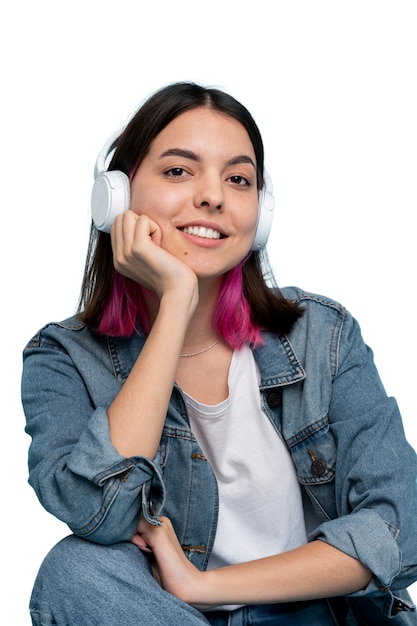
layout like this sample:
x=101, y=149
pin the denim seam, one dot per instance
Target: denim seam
x=307, y=432
x=115, y=360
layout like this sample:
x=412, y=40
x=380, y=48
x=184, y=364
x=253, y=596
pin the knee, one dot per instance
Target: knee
x=80, y=582
x=77, y=571
x=75, y=561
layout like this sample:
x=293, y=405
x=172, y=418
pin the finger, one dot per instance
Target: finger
x=146, y=228
x=155, y=232
x=119, y=235
x=124, y=240
x=129, y=221
x=140, y=543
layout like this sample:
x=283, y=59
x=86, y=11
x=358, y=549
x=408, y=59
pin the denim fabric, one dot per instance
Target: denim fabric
x=320, y=389
x=85, y=584
x=290, y=614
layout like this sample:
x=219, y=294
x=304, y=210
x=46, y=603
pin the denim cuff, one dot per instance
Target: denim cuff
x=117, y=488
x=365, y=536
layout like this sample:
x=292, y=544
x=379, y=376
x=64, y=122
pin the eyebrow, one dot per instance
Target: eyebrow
x=188, y=154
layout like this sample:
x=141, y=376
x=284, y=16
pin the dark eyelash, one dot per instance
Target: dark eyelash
x=171, y=170
x=242, y=178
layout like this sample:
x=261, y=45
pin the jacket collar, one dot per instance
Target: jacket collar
x=277, y=362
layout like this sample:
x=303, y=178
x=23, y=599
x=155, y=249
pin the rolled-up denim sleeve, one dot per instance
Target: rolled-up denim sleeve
x=366, y=537
x=74, y=469
x=376, y=469
x=128, y=486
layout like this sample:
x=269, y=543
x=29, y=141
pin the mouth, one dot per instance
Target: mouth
x=203, y=232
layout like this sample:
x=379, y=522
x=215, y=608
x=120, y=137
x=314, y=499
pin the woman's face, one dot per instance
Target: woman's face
x=198, y=182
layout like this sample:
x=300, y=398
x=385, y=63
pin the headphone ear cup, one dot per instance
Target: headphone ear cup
x=110, y=197
x=265, y=214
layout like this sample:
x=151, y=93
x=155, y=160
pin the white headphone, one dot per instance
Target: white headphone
x=111, y=196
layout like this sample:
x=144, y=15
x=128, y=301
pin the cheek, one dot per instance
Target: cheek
x=250, y=224
x=248, y=214
x=153, y=202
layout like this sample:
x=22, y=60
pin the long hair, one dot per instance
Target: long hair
x=113, y=304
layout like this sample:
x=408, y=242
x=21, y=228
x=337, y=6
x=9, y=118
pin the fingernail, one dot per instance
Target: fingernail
x=143, y=549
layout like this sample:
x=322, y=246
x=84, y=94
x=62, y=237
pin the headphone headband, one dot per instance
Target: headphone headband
x=109, y=146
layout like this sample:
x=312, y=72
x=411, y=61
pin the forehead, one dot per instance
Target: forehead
x=205, y=130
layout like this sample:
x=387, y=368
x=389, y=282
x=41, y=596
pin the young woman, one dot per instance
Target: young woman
x=238, y=435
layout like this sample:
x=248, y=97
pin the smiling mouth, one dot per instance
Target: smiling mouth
x=201, y=231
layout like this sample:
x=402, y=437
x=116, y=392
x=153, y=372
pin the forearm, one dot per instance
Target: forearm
x=312, y=571
x=137, y=414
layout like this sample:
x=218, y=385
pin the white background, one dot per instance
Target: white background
x=333, y=88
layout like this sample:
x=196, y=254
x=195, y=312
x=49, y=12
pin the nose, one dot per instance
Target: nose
x=209, y=193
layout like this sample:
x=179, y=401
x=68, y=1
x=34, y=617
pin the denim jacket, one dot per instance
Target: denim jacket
x=321, y=391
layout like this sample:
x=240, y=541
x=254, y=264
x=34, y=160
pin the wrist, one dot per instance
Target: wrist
x=204, y=594
x=180, y=300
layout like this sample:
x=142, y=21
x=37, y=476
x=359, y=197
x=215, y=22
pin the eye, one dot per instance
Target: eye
x=240, y=180
x=176, y=172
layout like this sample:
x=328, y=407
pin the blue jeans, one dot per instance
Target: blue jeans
x=292, y=613
x=86, y=584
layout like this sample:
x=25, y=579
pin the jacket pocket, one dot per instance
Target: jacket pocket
x=314, y=453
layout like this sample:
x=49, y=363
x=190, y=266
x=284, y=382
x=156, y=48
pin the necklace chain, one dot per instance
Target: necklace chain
x=201, y=351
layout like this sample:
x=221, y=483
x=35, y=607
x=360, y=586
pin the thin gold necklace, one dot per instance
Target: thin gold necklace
x=201, y=351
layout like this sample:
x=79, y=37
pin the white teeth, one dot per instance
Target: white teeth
x=201, y=231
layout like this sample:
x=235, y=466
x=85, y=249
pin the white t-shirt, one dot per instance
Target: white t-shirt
x=260, y=503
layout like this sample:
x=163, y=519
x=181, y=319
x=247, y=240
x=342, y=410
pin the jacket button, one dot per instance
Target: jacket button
x=318, y=466
x=274, y=399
